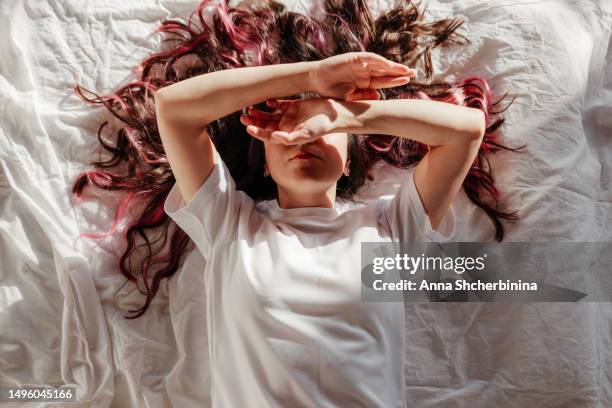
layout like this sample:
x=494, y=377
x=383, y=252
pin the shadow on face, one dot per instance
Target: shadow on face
x=309, y=168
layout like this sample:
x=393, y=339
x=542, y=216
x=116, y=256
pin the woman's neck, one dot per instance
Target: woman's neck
x=297, y=199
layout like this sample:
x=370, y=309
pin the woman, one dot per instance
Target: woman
x=285, y=321
x=287, y=324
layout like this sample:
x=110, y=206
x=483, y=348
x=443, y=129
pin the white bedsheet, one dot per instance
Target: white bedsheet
x=60, y=321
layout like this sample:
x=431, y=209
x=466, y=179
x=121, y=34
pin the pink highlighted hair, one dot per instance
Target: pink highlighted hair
x=216, y=37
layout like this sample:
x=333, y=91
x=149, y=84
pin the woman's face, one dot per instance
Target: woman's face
x=321, y=165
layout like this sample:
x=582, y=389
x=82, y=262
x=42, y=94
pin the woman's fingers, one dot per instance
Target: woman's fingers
x=360, y=94
x=259, y=133
x=265, y=116
x=249, y=120
x=246, y=120
x=388, y=82
x=280, y=136
x=375, y=60
x=381, y=63
x=288, y=138
x=280, y=104
x=262, y=124
x=260, y=118
x=383, y=73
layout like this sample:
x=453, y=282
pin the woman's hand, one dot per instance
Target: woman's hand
x=295, y=121
x=357, y=75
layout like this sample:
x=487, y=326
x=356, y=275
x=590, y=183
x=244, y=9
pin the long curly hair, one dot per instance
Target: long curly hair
x=217, y=37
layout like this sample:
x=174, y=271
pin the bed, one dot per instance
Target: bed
x=62, y=299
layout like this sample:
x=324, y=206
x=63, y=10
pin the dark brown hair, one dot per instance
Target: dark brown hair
x=217, y=37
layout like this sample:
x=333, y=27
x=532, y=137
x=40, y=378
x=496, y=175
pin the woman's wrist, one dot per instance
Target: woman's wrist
x=311, y=80
x=305, y=76
x=346, y=121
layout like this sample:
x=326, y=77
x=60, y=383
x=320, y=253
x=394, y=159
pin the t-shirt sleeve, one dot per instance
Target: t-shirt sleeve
x=403, y=216
x=211, y=217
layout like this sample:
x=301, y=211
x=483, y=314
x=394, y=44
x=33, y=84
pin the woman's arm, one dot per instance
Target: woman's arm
x=205, y=98
x=454, y=134
x=202, y=99
x=184, y=109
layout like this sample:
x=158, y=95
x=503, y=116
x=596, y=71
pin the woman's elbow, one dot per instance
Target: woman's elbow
x=161, y=102
x=470, y=137
x=470, y=132
x=178, y=111
x=478, y=126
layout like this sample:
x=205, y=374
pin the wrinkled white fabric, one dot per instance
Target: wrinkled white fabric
x=286, y=324
x=62, y=305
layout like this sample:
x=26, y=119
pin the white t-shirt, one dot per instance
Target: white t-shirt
x=286, y=324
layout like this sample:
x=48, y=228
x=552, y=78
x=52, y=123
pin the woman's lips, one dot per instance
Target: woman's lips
x=304, y=156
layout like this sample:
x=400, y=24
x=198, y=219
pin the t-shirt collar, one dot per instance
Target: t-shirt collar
x=273, y=209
